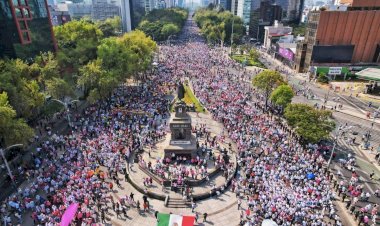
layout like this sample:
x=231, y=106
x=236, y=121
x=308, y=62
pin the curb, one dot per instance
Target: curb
x=356, y=117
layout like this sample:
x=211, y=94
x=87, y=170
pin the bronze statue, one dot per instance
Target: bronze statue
x=180, y=91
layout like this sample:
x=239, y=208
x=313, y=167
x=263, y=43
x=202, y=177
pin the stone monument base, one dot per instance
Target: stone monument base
x=184, y=148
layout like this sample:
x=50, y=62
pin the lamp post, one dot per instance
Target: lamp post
x=168, y=41
x=65, y=105
x=232, y=33
x=343, y=130
x=332, y=152
x=373, y=122
x=6, y=162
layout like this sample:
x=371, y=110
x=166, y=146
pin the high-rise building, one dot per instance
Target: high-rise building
x=234, y=6
x=25, y=29
x=103, y=9
x=161, y=4
x=131, y=13
x=222, y=4
x=350, y=37
x=263, y=15
x=126, y=20
x=244, y=10
x=149, y=5
x=77, y=10
x=292, y=9
x=58, y=17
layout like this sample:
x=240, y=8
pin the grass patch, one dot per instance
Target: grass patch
x=191, y=99
x=250, y=62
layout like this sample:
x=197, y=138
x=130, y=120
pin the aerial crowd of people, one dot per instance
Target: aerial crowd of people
x=278, y=178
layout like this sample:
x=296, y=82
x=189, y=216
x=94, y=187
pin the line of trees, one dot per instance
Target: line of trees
x=162, y=23
x=92, y=60
x=311, y=124
x=216, y=26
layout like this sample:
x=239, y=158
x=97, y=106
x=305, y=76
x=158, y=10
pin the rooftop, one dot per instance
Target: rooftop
x=369, y=74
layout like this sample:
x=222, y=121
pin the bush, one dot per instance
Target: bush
x=322, y=78
x=250, y=62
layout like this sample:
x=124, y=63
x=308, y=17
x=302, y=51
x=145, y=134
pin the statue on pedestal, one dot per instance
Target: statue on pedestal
x=180, y=91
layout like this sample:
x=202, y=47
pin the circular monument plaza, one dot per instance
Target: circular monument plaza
x=187, y=171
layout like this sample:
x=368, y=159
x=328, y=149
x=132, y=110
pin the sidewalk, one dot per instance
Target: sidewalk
x=60, y=126
x=351, y=111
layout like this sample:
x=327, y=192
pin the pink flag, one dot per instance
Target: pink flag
x=69, y=214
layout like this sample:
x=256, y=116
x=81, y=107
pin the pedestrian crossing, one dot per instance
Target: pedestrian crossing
x=360, y=127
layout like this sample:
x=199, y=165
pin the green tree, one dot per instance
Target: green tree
x=31, y=98
x=77, y=41
x=267, y=81
x=23, y=91
x=217, y=25
x=90, y=75
x=161, y=23
x=110, y=26
x=298, y=29
x=311, y=124
x=59, y=88
x=104, y=87
x=322, y=78
x=254, y=54
x=126, y=55
x=282, y=95
x=152, y=29
x=47, y=66
x=12, y=130
x=169, y=29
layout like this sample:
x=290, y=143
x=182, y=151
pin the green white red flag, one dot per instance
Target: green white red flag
x=165, y=219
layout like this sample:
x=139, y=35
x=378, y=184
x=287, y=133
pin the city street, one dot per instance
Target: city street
x=353, y=115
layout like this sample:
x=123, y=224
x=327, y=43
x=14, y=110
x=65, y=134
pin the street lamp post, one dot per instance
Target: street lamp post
x=6, y=163
x=332, y=153
x=373, y=123
x=232, y=33
x=65, y=105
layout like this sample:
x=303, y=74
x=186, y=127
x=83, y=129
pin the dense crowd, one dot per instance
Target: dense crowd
x=83, y=167
x=277, y=178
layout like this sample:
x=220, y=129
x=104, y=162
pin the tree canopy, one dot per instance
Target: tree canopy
x=118, y=59
x=311, y=124
x=110, y=26
x=19, y=81
x=12, y=129
x=162, y=23
x=267, y=81
x=216, y=26
x=282, y=95
x=77, y=42
x=92, y=56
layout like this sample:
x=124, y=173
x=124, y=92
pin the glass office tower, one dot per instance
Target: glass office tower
x=25, y=29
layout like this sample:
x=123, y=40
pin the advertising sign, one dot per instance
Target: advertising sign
x=286, y=53
x=335, y=70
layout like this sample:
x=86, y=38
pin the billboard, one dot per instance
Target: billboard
x=286, y=53
x=333, y=54
x=335, y=70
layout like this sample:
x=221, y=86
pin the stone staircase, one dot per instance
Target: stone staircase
x=178, y=203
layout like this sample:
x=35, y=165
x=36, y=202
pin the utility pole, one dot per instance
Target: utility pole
x=6, y=163
x=65, y=105
x=373, y=123
x=332, y=153
x=232, y=33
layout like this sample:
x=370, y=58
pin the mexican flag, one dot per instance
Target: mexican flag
x=165, y=219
